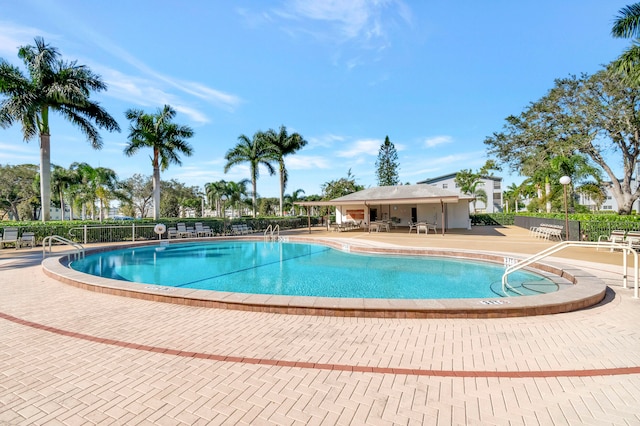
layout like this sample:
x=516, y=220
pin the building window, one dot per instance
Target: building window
x=445, y=186
x=497, y=196
x=496, y=184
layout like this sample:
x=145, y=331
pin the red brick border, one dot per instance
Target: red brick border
x=338, y=367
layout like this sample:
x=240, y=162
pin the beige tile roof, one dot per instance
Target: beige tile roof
x=401, y=194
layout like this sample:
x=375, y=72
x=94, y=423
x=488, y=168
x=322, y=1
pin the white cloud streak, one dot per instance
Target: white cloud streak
x=437, y=140
x=360, y=148
x=363, y=21
x=306, y=162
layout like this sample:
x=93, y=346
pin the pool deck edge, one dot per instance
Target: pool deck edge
x=587, y=290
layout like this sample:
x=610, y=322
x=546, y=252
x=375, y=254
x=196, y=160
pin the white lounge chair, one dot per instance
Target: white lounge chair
x=27, y=239
x=202, y=231
x=10, y=236
x=183, y=231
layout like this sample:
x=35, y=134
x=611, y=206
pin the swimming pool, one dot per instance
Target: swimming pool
x=296, y=269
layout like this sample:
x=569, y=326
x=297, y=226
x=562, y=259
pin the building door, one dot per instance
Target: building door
x=373, y=215
x=414, y=214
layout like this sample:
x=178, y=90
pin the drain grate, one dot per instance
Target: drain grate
x=494, y=302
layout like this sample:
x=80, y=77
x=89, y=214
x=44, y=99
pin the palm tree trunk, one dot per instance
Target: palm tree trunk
x=547, y=190
x=61, y=205
x=156, y=193
x=254, y=196
x=281, y=186
x=45, y=177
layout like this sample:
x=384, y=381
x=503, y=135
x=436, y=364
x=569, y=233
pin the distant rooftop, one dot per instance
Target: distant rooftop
x=452, y=176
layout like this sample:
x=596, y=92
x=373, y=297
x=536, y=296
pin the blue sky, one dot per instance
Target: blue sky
x=436, y=78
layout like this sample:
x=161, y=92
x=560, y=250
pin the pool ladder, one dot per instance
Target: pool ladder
x=272, y=233
x=78, y=253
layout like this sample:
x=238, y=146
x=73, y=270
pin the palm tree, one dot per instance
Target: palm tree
x=512, y=196
x=469, y=183
x=214, y=192
x=235, y=193
x=104, y=183
x=294, y=198
x=81, y=191
x=52, y=85
x=61, y=182
x=284, y=144
x=93, y=183
x=627, y=25
x=256, y=152
x=167, y=139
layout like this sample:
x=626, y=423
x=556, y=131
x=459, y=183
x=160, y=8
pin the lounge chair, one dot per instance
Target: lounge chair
x=10, y=236
x=183, y=232
x=172, y=233
x=27, y=239
x=202, y=231
x=241, y=229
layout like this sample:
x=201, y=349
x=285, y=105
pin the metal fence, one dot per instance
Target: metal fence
x=112, y=233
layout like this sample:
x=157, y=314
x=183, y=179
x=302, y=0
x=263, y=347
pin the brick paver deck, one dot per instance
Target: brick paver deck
x=69, y=356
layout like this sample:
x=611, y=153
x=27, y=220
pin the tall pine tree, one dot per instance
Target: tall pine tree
x=387, y=164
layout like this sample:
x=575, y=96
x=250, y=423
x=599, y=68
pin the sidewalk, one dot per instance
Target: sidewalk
x=73, y=357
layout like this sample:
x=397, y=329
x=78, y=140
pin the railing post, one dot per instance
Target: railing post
x=133, y=232
x=85, y=234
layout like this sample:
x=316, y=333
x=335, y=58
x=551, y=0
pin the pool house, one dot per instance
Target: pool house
x=401, y=205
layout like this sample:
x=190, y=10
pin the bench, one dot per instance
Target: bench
x=632, y=238
x=547, y=231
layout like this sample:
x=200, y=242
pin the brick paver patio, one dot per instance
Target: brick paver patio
x=74, y=357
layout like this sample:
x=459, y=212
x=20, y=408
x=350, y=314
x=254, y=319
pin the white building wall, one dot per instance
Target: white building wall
x=493, y=188
x=456, y=214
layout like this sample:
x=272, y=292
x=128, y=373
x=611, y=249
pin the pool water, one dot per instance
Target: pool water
x=306, y=270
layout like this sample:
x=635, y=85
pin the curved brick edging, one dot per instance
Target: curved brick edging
x=335, y=367
x=586, y=291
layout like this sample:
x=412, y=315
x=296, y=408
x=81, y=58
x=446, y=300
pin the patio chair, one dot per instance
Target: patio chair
x=412, y=226
x=27, y=239
x=183, y=232
x=201, y=231
x=172, y=233
x=10, y=236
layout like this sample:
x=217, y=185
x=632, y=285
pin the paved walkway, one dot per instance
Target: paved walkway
x=74, y=357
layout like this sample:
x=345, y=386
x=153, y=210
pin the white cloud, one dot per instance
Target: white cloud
x=442, y=165
x=307, y=162
x=364, y=21
x=437, y=140
x=359, y=148
x=13, y=36
x=19, y=153
x=325, y=141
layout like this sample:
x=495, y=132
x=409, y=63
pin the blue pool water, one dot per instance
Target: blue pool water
x=306, y=270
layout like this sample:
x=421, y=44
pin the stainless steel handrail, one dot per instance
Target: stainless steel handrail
x=626, y=248
x=79, y=253
x=270, y=231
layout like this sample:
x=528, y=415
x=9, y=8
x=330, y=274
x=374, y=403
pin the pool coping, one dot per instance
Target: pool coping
x=587, y=289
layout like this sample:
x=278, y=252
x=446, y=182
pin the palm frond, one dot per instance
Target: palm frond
x=627, y=23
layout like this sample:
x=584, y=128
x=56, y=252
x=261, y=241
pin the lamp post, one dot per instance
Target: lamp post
x=566, y=180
